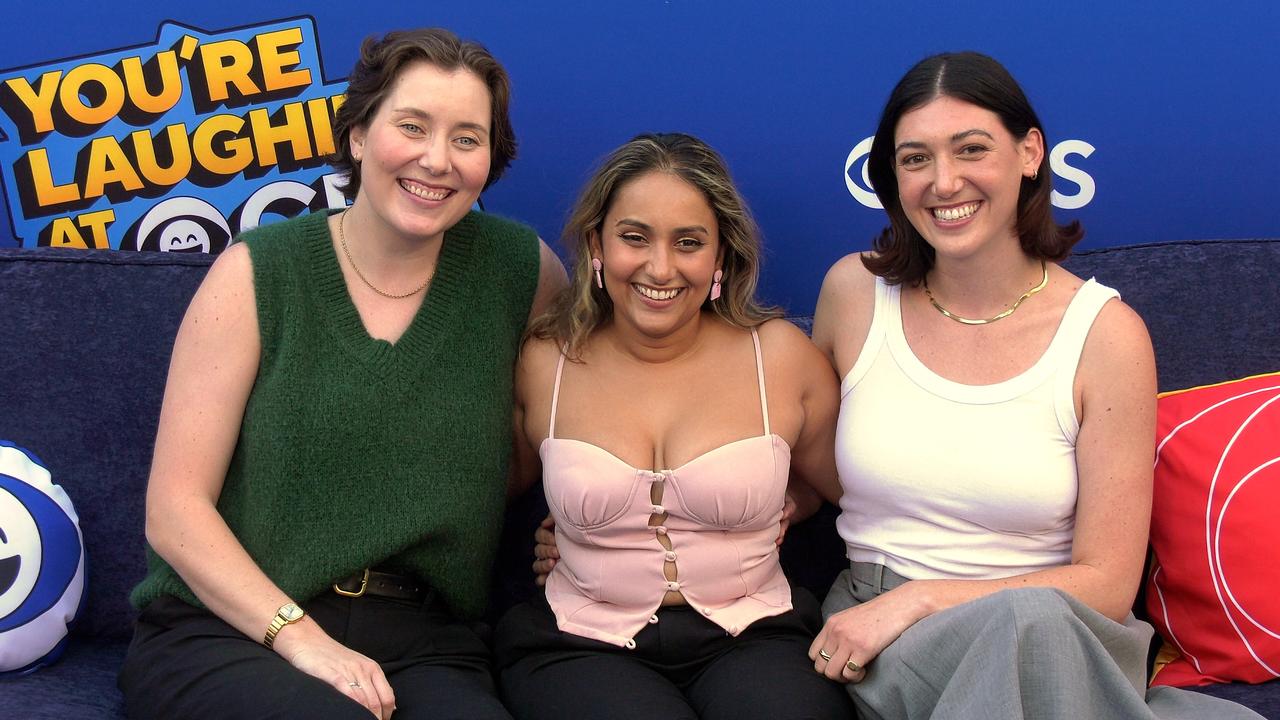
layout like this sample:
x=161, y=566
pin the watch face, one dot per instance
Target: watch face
x=291, y=613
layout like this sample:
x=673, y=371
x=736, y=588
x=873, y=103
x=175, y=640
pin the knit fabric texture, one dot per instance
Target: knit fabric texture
x=355, y=452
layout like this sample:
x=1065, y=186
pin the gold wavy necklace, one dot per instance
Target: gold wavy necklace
x=1044, y=281
x=342, y=240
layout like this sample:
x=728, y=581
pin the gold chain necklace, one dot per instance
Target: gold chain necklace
x=1044, y=269
x=342, y=240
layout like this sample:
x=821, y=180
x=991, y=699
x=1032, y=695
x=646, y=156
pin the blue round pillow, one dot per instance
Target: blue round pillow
x=41, y=563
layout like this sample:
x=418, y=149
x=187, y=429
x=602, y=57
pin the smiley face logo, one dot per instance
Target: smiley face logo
x=182, y=224
x=41, y=562
x=9, y=567
x=19, y=558
x=184, y=235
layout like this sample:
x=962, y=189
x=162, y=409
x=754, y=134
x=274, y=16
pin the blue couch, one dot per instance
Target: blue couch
x=85, y=339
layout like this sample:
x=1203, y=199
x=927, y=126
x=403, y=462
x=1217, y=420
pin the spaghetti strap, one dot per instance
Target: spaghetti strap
x=764, y=401
x=555, y=396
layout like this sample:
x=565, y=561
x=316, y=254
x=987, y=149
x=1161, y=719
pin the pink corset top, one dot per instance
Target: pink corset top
x=722, y=512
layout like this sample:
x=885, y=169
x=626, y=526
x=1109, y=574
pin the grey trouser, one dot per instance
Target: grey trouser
x=1025, y=653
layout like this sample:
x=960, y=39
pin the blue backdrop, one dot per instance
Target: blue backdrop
x=1162, y=116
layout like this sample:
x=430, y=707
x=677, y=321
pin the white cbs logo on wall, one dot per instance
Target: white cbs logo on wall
x=1058, y=156
x=41, y=563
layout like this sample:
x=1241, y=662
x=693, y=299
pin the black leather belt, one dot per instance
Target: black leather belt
x=383, y=584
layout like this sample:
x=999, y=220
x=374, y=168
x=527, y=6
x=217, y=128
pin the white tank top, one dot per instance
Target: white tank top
x=950, y=481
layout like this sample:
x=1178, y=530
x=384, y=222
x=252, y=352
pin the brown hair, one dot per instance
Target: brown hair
x=582, y=307
x=901, y=253
x=382, y=59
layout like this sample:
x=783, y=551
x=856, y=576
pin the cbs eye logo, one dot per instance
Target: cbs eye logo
x=186, y=224
x=858, y=181
x=41, y=563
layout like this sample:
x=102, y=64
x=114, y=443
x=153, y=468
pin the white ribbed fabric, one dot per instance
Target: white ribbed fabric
x=944, y=480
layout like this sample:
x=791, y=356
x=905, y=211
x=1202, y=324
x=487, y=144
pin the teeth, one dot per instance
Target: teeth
x=956, y=213
x=653, y=294
x=424, y=193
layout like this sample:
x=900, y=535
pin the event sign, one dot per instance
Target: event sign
x=173, y=146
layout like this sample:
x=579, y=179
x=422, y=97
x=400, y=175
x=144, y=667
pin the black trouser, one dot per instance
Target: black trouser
x=185, y=662
x=682, y=668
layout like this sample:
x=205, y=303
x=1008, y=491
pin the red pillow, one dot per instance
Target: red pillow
x=1215, y=532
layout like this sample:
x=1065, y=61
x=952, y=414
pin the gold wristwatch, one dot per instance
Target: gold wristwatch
x=288, y=614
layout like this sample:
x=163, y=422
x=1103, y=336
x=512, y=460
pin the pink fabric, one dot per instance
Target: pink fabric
x=723, y=508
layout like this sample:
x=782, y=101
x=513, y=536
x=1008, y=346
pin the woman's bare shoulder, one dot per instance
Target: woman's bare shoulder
x=848, y=276
x=845, y=307
x=848, y=291
x=782, y=336
x=539, y=352
x=224, y=308
x=536, y=364
x=1117, y=340
x=788, y=349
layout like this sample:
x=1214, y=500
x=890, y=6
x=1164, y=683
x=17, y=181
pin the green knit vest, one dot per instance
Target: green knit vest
x=355, y=452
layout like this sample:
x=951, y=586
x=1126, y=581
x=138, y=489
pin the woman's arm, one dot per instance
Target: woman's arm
x=535, y=368
x=535, y=372
x=214, y=364
x=1115, y=388
x=842, y=319
x=551, y=280
x=810, y=378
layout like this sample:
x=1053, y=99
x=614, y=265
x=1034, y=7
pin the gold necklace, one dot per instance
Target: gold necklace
x=342, y=240
x=1044, y=269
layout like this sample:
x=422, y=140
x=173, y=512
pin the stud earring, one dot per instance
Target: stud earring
x=715, y=285
x=598, y=266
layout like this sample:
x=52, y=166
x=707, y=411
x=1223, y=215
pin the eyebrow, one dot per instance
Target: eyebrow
x=649, y=228
x=954, y=138
x=415, y=112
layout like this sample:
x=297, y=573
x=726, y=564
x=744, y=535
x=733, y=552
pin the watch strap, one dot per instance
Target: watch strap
x=278, y=622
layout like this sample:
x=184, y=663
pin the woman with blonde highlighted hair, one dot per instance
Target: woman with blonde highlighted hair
x=667, y=411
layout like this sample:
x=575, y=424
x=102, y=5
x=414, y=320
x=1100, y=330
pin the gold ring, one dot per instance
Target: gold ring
x=824, y=655
x=853, y=666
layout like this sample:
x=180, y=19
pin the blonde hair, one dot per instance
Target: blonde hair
x=583, y=307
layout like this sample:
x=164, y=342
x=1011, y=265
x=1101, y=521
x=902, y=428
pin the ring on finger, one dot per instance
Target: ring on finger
x=824, y=655
x=355, y=684
x=853, y=666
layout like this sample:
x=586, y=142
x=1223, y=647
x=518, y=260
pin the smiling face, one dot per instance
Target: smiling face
x=183, y=235
x=959, y=172
x=19, y=553
x=660, y=245
x=424, y=155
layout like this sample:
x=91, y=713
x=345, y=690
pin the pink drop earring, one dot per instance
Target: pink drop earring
x=598, y=266
x=715, y=285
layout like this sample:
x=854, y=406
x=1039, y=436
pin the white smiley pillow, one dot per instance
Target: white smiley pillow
x=41, y=563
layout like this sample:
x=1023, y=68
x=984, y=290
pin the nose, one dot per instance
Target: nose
x=947, y=179
x=660, y=266
x=435, y=155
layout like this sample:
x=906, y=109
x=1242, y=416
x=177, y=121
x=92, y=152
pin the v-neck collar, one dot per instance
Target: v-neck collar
x=440, y=309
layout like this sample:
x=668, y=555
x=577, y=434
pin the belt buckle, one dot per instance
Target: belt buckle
x=364, y=584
